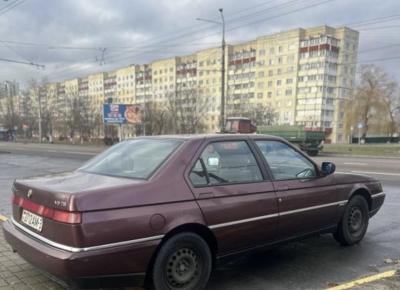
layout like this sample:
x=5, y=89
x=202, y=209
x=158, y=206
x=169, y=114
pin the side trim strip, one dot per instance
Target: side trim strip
x=339, y=203
x=86, y=249
x=244, y=221
x=378, y=194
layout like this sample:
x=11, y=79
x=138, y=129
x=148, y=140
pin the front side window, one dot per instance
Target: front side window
x=226, y=162
x=132, y=158
x=285, y=162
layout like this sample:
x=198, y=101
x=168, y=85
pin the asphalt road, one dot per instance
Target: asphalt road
x=314, y=263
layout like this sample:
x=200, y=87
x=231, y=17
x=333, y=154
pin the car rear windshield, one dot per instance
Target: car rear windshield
x=137, y=158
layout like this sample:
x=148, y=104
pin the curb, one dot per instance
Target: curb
x=357, y=156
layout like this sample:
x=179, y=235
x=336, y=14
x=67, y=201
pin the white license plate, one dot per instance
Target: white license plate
x=32, y=220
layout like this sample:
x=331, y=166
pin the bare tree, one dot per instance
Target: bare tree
x=391, y=104
x=156, y=118
x=260, y=114
x=188, y=110
x=77, y=117
x=9, y=117
x=372, y=95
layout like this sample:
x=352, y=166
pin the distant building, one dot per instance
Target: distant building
x=305, y=75
x=9, y=89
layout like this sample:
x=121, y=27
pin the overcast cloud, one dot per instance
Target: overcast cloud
x=50, y=32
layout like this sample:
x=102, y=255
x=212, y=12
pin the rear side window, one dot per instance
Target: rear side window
x=137, y=158
x=285, y=162
x=226, y=162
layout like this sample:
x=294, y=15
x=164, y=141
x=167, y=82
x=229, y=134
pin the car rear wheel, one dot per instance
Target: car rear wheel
x=184, y=262
x=353, y=226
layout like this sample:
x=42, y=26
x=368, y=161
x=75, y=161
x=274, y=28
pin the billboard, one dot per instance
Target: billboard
x=122, y=114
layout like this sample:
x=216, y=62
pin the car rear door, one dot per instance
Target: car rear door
x=307, y=201
x=235, y=194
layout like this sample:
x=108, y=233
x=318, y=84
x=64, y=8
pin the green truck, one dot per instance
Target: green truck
x=310, y=141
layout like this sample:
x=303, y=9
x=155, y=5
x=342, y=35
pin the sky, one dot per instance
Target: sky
x=73, y=38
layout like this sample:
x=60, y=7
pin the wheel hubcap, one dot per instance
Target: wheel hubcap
x=355, y=221
x=182, y=268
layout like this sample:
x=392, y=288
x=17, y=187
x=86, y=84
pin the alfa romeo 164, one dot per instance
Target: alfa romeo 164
x=167, y=208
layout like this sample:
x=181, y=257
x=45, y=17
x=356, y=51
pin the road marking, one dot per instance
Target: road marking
x=364, y=280
x=72, y=152
x=3, y=218
x=377, y=173
x=355, y=163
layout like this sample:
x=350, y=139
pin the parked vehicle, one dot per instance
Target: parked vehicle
x=166, y=208
x=7, y=134
x=310, y=141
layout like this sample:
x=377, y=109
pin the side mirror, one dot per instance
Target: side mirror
x=328, y=168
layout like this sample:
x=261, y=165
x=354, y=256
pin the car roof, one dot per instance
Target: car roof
x=216, y=136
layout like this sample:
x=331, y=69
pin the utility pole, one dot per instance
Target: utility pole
x=223, y=46
x=222, y=72
x=144, y=100
x=40, y=116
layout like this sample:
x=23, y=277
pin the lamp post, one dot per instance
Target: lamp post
x=223, y=45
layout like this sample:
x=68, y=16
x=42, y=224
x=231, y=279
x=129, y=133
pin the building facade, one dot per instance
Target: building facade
x=304, y=75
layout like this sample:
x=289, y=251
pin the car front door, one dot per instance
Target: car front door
x=307, y=201
x=236, y=197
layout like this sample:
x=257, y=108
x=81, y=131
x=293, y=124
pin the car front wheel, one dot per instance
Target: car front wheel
x=353, y=226
x=184, y=262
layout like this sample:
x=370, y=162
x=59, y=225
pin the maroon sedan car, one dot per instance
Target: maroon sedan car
x=166, y=208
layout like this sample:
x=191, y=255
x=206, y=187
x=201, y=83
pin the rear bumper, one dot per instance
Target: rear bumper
x=376, y=203
x=128, y=261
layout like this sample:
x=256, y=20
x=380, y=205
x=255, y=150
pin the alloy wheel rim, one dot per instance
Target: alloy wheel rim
x=183, y=267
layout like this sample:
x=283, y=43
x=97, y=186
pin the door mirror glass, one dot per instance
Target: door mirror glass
x=328, y=168
x=212, y=161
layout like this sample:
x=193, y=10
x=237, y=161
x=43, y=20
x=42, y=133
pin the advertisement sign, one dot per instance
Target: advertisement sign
x=122, y=114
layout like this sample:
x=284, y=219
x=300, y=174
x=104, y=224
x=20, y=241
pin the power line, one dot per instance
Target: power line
x=23, y=62
x=14, y=51
x=114, y=58
x=378, y=48
x=379, y=27
x=8, y=5
x=16, y=3
x=359, y=23
x=183, y=36
x=250, y=23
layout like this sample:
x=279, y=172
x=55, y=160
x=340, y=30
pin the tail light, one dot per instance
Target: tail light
x=50, y=213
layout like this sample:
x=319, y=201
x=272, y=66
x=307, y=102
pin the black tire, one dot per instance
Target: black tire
x=184, y=262
x=354, y=224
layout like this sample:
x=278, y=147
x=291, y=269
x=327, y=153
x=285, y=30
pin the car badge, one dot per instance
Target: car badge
x=29, y=194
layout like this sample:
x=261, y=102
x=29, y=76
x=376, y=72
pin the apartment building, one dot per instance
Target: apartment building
x=305, y=75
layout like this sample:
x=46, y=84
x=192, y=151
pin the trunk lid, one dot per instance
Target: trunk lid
x=48, y=205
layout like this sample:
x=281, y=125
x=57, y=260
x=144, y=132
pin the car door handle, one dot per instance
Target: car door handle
x=283, y=188
x=204, y=195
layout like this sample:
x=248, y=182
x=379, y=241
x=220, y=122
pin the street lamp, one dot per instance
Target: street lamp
x=222, y=23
